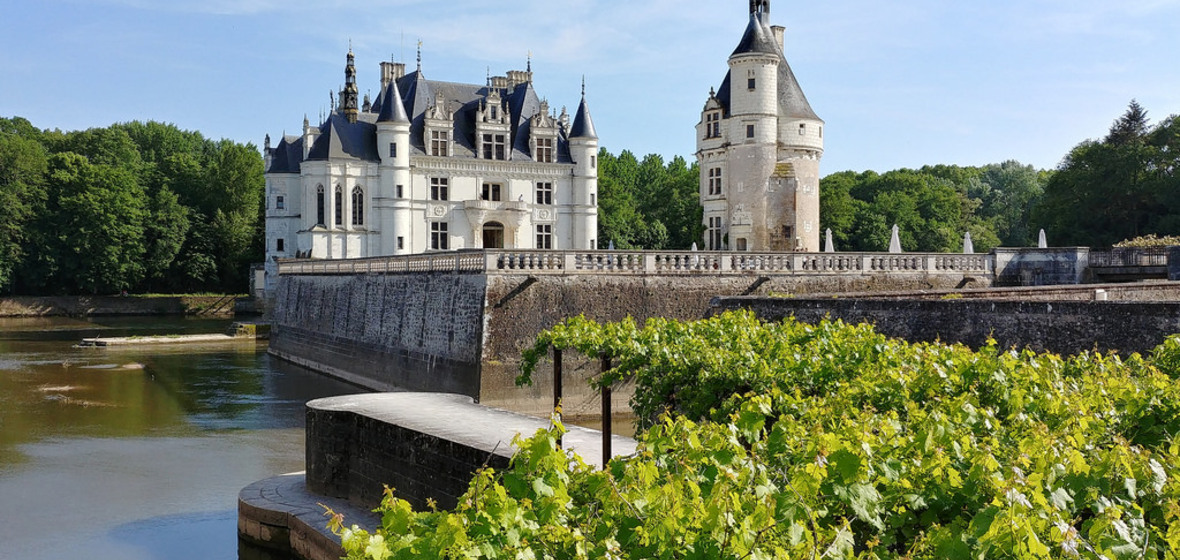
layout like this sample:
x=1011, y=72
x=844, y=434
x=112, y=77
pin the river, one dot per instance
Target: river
x=139, y=453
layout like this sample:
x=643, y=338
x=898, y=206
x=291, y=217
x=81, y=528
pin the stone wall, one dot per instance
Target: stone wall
x=463, y=333
x=1064, y=327
x=1040, y=267
x=418, y=332
x=519, y=307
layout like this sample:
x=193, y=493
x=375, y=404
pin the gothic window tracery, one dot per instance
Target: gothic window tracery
x=358, y=206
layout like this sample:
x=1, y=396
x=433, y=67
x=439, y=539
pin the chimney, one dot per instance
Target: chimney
x=391, y=71
x=779, y=36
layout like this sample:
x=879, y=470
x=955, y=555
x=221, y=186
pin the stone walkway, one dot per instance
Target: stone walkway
x=279, y=513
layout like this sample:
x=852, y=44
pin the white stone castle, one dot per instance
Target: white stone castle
x=433, y=166
x=759, y=145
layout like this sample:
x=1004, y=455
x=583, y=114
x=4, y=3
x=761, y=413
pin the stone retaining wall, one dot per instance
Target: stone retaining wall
x=1064, y=327
x=464, y=332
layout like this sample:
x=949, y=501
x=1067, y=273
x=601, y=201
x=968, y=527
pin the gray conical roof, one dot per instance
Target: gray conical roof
x=758, y=39
x=393, y=109
x=583, y=127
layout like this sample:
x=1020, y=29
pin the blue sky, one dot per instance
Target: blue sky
x=900, y=84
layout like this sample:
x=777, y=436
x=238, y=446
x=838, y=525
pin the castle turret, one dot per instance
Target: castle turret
x=583, y=144
x=759, y=145
x=393, y=145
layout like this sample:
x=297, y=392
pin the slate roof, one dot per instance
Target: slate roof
x=340, y=139
x=287, y=156
x=759, y=38
x=583, y=126
x=407, y=100
x=393, y=108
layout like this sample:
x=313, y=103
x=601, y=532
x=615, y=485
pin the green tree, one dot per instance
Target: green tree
x=97, y=215
x=23, y=166
x=648, y=204
x=1008, y=191
x=164, y=235
x=1120, y=188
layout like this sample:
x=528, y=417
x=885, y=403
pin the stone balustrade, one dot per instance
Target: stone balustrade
x=509, y=261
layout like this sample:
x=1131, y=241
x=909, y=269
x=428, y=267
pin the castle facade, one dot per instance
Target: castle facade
x=759, y=145
x=433, y=166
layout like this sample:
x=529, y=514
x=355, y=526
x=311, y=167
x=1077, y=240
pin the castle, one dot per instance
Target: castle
x=433, y=166
x=758, y=145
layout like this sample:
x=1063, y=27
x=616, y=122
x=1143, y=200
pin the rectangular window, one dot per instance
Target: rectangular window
x=440, y=141
x=392, y=150
x=494, y=147
x=544, y=150
x=749, y=131
x=713, y=234
x=401, y=243
x=802, y=129
x=491, y=191
x=400, y=191
x=545, y=193
x=279, y=245
x=593, y=162
x=439, y=187
x=593, y=199
x=280, y=203
x=714, y=181
x=439, y=240
x=545, y=236
x=713, y=125
x=750, y=83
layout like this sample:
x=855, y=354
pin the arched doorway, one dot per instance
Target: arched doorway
x=493, y=235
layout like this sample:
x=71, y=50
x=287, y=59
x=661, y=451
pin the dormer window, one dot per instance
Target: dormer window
x=440, y=143
x=495, y=146
x=544, y=152
x=713, y=124
x=492, y=113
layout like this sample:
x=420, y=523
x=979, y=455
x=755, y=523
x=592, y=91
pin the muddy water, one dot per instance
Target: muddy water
x=138, y=453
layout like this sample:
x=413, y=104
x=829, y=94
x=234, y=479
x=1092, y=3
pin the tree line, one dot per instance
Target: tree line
x=149, y=207
x=1122, y=187
x=143, y=207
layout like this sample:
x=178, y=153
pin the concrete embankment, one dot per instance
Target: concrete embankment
x=89, y=306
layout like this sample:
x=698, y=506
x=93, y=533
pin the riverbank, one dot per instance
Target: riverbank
x=90, y=306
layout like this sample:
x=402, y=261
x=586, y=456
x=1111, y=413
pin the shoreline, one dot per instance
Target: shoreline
x=93, y=306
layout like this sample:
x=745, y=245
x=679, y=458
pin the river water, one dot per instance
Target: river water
x=139, y=453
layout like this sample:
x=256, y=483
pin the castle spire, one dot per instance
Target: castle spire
x=583, y=126
x=419, y=55
x=348, y=95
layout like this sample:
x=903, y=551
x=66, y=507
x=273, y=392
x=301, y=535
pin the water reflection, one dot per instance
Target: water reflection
x=134, y=452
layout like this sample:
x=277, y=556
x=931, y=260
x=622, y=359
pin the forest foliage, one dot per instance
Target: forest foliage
x=133, y=206
x=794, y=441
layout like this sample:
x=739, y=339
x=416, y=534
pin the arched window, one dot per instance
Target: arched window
x=319, y=205
x=358, y=206
x=339, y=206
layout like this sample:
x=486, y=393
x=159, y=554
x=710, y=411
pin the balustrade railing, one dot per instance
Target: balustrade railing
x=1130, y=257
x=508, y=261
